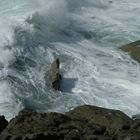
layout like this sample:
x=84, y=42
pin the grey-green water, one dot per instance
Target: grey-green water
x=85, y=35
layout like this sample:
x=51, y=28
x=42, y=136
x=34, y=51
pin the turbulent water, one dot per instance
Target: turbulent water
x=85, y=35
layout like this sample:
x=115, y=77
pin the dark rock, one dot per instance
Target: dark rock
x=91, y=137
x=126, y=127
x=73, y=135
x=55, y=75
x=34, y=125
x=82, y=123
x=111, y=119
x=136, y=126
x=3, y=123
x=133, y=49
x=100, y=130
x=41, y=137
x=16, y=138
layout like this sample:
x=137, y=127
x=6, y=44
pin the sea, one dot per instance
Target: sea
x=86, y=36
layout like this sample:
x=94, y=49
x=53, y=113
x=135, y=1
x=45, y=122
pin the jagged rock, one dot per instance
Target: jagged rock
x=55, y=75
x=134, y=50
x=3, y=123
x=82, y=123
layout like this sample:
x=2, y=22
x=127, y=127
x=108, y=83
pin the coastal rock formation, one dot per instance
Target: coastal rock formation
x=83, y=123
x=55, y=75
x=134, y=50
x=3, y=123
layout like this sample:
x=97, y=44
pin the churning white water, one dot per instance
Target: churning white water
x=85, y=35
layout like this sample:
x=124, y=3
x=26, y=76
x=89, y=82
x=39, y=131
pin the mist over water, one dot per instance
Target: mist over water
x=85, y=35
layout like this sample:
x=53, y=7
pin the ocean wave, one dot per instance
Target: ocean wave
x=84, y=34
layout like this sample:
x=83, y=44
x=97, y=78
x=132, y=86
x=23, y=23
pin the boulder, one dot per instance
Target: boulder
x=30, y=125
x=133, y=49
x=3, y=123
x=104, y=118
x=55, y=75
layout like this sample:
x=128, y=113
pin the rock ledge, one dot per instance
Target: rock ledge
x=83, y=123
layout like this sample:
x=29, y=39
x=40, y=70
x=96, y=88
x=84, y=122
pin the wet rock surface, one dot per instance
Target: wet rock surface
x=83, y=123
x=55, y=75
x=133, y=49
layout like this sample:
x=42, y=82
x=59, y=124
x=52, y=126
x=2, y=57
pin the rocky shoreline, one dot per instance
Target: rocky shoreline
x=83, y=123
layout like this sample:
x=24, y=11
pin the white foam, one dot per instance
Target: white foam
x=84, y=34
x=53, y=13
x=9, y=105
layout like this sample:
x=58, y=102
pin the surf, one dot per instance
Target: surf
x=85, y=35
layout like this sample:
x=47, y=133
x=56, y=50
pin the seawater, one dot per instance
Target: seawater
x=86, y=36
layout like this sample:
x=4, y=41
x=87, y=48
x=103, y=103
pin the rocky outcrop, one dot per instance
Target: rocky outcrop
x=134, y=50
x=55, y=75
x=3, y=123
x=82, y=123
